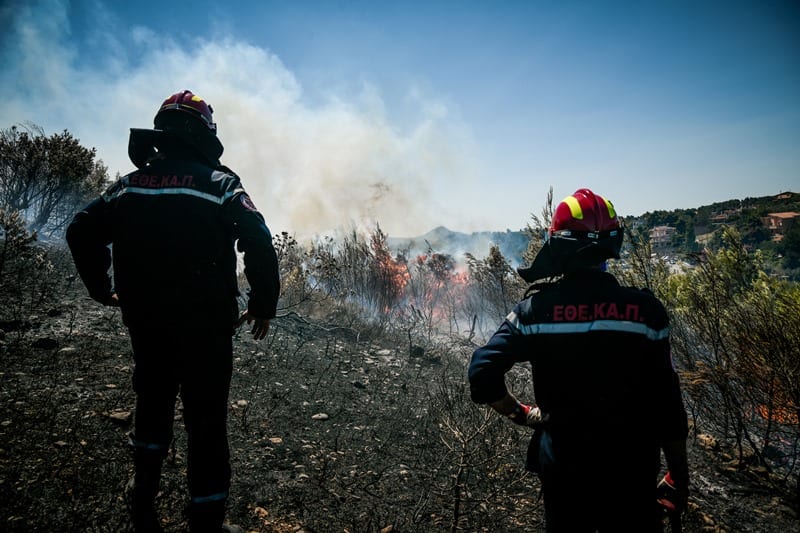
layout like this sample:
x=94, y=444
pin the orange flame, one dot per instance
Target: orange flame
x=782, y=415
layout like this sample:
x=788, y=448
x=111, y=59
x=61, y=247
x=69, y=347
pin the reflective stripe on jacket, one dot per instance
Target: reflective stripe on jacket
x=599, y=355
x=172, y=226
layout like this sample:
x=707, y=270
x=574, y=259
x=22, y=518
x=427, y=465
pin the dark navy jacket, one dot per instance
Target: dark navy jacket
x=172, y=226
x=600, y=359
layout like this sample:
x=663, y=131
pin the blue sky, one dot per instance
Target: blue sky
x=418, y=114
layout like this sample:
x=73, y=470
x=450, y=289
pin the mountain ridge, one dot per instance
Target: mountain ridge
x=513, y=243
x=457, y=244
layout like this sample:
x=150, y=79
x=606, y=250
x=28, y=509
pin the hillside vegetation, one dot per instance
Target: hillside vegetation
x=354, y=413
x=355, y=416
x=746, y=217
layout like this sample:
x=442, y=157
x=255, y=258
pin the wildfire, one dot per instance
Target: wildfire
x=394, y=273
x=781, y=415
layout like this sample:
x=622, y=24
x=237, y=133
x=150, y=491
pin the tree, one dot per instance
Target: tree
x=28, y=276
x=388, y=276
x=639, y=266
x=536, y=229
x=736, y=332
x=47, y=178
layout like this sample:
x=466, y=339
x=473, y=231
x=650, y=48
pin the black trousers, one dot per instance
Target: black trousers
x=197, y=364
x=615, y=492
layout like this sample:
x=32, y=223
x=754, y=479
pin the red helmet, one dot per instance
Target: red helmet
x=187, y=102
x=184, y=117
x=584, y=214
x=584, y=232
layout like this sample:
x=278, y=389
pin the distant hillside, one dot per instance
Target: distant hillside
x=442, y=240
x=720, y=211
x=744, y=214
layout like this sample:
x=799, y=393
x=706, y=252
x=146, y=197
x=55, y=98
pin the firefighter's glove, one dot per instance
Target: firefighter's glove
x=672, y=496
x=526, y=415
x=112, y=300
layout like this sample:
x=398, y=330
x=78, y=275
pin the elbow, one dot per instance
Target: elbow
x=485, y=386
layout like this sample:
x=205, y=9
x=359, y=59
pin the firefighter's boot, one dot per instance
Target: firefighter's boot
x=206, y=516
x=142, y=490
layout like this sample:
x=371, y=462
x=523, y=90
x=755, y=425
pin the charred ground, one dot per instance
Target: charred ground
x=332, y=428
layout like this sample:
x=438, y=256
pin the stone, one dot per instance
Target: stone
x=122, y=418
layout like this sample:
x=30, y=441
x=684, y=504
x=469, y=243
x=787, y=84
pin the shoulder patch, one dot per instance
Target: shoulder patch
x=247, y=203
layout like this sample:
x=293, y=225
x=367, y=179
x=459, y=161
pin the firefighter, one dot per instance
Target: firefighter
x=608, y=399
x=170, y=229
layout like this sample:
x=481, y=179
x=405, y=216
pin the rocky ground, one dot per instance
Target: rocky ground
x=331, y=428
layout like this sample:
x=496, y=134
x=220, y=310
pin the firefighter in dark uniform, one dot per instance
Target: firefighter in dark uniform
x=171, y=228
x=608, y=400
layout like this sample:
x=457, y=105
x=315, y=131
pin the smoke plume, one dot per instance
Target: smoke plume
x=310, y=167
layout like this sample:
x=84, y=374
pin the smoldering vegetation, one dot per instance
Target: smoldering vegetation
x=354, y=414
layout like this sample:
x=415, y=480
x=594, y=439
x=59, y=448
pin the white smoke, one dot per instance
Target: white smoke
x=309, y=167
